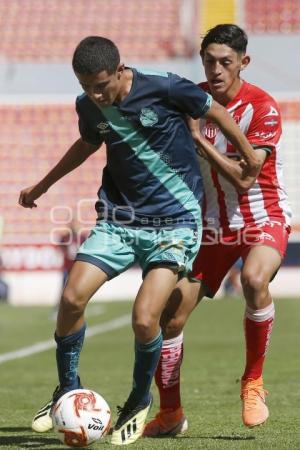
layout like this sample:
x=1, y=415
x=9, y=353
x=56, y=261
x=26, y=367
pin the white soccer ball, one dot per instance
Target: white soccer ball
x=81, y=417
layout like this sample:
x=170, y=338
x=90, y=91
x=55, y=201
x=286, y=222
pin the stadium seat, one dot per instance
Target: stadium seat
x=274, y=16
x=35, y=30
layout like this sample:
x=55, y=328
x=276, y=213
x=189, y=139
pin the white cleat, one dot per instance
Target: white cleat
x=42, y=421
x=130, y=424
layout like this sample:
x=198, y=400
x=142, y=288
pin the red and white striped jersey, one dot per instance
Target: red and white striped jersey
x=258, y=116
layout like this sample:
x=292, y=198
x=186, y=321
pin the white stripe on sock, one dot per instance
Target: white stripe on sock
x=260, y=315
x=174, y=342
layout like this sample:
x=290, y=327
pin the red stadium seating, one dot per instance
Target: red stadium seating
x=272, y=16
x=33, y=138
x=49, y=30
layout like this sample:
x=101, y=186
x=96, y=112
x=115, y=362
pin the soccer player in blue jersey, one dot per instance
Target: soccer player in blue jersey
x=148, y=208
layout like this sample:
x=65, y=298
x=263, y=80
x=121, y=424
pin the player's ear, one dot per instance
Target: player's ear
x=120, y=70
x=245, y=60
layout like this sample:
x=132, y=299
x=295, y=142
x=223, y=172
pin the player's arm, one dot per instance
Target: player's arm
x=218, y=114
x=232, y=170
x=73, y=158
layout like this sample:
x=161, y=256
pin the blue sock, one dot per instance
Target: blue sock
x=67, y=358
x=146, y=360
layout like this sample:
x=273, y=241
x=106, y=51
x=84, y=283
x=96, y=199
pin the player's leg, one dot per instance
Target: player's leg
x=103, y=255
x=150, y=301
x=84, y=280
x=167, y=253
x=209, y=268
x=261, y=264
x=170, y=420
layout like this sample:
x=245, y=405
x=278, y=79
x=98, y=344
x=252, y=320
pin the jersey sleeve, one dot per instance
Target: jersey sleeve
x=188, y=97
x=88, y=133
x=265, y=127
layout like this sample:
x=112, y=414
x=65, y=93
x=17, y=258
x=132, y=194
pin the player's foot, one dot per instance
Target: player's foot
x=255, y=411
x=167, y=423
x=42, y=421
x=130, y=424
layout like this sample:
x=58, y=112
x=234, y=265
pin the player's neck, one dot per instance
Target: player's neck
x=230, y=94
x=126, y=84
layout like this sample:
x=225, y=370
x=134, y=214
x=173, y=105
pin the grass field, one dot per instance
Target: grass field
x=214, y=360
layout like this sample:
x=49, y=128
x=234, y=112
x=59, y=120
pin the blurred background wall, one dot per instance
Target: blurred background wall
x=38, y=121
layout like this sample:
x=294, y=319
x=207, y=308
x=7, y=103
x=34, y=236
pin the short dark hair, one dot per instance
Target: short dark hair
x=228, y=34
x=95, y=54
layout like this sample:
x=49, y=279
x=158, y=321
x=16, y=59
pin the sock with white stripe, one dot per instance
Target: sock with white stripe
x=258, y=328
x=167, y=375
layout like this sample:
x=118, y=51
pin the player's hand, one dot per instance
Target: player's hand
x=250, y=168
x=29, y=195
x=201, y=144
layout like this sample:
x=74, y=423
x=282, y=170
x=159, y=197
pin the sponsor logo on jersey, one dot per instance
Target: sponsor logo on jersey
x=103, y=127
x=265, y=134
x=273, y=112
x=271, y=123
x=148, y=117
x=210, y=130
x=265, y=237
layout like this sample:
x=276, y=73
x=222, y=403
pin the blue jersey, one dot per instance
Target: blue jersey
x=152, y=176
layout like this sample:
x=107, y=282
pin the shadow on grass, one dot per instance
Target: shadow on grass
x=233, y=438
x=221, y=438
x=26, y=440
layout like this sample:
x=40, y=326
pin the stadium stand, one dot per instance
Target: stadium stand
x=33, y=138
x=49, y=30
x=273, y=16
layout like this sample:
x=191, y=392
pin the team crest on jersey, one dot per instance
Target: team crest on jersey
x=148, y=117
x=237, y=119
x=210, y=130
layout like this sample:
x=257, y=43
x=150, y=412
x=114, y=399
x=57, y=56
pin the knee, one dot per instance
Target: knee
x=173, y=327
x=72, y=300
x=254, y=283
x=144, y=328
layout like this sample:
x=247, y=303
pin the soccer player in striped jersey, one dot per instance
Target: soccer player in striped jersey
x=244, y=216
x=148, y=208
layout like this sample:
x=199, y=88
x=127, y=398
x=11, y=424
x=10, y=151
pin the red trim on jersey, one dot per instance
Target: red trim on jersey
x=246, y=210
x=268, y=177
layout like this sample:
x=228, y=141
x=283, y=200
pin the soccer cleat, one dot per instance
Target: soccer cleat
x=167, y=423
x=42, y=421
x=130, y=424
x=255, y=411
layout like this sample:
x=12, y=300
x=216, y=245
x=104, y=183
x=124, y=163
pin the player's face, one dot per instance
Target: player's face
x=102, y=88
x=222, y=67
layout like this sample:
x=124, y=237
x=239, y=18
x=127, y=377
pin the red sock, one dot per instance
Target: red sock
x=167, y=375
x=258, y=328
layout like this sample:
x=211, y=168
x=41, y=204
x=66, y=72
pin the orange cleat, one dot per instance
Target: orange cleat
x=166, y=423
x=255, y=411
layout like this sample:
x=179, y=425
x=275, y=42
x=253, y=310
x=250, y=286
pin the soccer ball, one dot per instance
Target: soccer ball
x=81, y=417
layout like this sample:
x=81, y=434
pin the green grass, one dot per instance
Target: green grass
x=214, y=359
